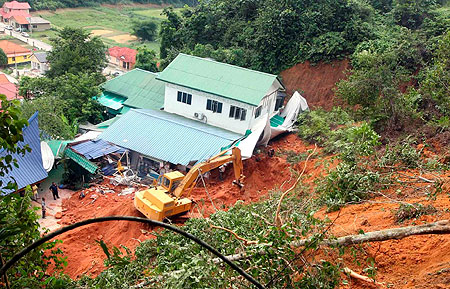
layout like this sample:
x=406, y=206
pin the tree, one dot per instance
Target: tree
x=3, y=58
x=75, y=51
x=146, y=59
x=146, y=30
x=63, y=102
x=19, y=225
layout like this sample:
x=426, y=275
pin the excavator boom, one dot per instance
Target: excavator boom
x=158, y=202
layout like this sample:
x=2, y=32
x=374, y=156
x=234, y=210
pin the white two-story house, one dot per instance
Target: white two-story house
x=220, y=94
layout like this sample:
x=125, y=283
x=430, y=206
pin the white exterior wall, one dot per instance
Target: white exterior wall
x=198, y=105
x=221, y=120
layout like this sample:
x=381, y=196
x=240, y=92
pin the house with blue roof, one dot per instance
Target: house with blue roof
x=31, y=170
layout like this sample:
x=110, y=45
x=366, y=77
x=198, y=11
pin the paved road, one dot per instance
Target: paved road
x=30, y=41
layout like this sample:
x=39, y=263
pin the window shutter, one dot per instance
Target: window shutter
x=231, y=111
x=208, y=104
x=243, y=113
x=219, y=107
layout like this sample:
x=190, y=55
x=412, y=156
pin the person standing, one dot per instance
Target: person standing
x=54, y=189
x=43, y=208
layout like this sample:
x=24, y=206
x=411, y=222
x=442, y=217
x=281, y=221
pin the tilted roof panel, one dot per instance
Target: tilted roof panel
x=168, y=137
x=140, y=88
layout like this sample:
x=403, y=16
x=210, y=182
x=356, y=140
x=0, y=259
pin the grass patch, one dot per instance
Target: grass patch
x=117, y=20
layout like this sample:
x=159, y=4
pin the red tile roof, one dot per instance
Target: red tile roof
x=123, y=53
x=14, y=13
x=21, y=19
x=11, y=48
x=7, y=88
x=17, y=5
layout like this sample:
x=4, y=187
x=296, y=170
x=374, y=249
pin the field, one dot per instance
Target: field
x=112, y=24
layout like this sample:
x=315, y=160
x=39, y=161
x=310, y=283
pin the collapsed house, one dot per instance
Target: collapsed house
x=204, y=107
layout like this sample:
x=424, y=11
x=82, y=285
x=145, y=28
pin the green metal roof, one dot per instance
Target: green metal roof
x=219, y=78
x=168, y=137
x=108, y=122
x=276, y=120
x=58, y=147
x=111, y=100
x=82, y=161
x=140, y=88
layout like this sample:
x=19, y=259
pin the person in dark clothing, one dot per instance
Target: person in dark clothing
x=54, y=189
x=43, y=208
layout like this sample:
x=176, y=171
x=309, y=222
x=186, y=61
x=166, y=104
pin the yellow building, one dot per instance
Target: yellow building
x=15, y=52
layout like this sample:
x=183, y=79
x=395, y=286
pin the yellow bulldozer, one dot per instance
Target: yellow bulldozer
x=169, y=195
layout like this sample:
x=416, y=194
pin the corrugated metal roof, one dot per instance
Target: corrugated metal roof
x=93, y=149
x=140, y=88
x=168, y=137
x=218, y=78
x=30, y=168
x=108, y=122
x=58, y=147
x=111, y=100
x=82, y=161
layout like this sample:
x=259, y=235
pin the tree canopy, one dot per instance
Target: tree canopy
x=146, y=59
x=76, y=51
x=145, y=30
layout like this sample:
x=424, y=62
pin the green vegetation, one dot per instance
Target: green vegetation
x=19, y=226
x=54, y=4
x=65, y=96
x=3, y=58
x=412, y=211
x=113, y=24
x=145, y=30
x=146, y=59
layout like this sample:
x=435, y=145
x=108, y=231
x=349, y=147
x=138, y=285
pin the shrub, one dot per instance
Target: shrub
x=412, y=211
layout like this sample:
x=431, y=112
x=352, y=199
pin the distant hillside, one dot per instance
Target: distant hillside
x=54, y=4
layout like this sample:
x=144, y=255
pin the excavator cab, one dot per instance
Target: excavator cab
x=169, y=181
x=169, y=195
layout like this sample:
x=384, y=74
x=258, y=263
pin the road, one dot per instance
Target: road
x=30, y=41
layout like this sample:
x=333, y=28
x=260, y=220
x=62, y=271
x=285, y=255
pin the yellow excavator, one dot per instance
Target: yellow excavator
x=169, y=194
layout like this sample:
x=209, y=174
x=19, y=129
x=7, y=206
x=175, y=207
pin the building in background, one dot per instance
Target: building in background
x=12, y=9
x=38, y=24
x=16, y=54
x=122, y=57
x=39, y=62
x=8, y=88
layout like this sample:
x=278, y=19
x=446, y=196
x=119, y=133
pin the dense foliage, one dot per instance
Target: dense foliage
x=146, y=59
x=3, y=58
x=64, y=97
x=145, y=30
x=18, y=221
x=172, y=261
x=398, y=76
x=53, y=4
x=267, y=35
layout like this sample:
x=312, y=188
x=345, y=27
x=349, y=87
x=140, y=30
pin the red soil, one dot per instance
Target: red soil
x=315, y=83
x=84, y=255
x=413, y=262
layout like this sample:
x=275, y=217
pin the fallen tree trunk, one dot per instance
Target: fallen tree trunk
x=439, y=227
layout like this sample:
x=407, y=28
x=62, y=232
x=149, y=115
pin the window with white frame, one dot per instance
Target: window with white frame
x=258, y=111
x=184, y=97
x=237, y=112
x=214, y=105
